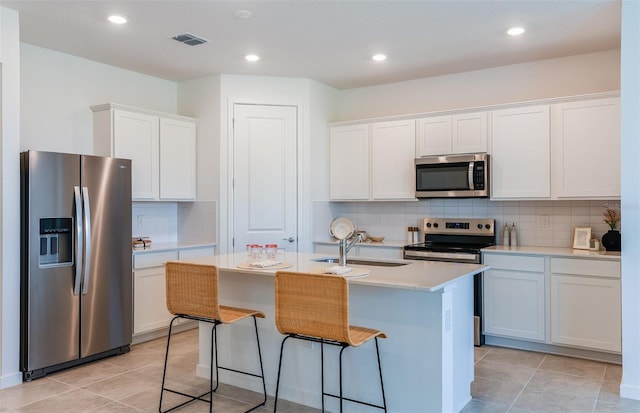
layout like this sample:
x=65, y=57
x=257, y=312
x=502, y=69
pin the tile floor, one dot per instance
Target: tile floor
x=517, y=381
x=506, y=381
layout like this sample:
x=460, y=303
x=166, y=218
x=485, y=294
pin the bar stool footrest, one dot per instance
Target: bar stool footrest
x=191, y=398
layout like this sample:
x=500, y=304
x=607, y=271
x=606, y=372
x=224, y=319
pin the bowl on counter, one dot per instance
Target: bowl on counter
x=376, y=239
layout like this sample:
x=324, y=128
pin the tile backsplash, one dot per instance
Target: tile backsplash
x=181, y=222
x=156, y=220
x=539, y=223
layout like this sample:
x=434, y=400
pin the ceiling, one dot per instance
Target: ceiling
x=330, y=41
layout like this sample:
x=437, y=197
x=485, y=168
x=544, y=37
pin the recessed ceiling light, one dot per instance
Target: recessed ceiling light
x=242, y=14
x=515, y=31
x=115, y=19
x=379, y=57
x=252, y=57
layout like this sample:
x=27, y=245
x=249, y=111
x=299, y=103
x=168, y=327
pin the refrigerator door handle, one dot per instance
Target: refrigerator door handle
x=80, y=241
x=87, y=232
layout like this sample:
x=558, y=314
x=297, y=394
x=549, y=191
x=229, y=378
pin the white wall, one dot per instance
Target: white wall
x=566, y=76
x=200, y=98
x=630, y=95
x=57, y=90
x=9, y=198
x=263, y=90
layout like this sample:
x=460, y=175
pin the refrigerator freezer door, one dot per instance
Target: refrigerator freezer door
x=106, y=314
x=50, y=312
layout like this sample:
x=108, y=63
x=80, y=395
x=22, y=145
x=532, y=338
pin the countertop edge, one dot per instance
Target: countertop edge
x=554, y=252
x=170, y=246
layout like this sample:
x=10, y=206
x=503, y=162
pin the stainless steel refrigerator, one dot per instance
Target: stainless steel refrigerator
x=76, y=284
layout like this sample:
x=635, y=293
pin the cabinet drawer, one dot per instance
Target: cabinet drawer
x=514, y=262
x=595, y=268
x=157, y=259
x=197, y=253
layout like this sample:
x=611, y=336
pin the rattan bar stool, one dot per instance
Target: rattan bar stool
x=315, y=307
x=192, y=293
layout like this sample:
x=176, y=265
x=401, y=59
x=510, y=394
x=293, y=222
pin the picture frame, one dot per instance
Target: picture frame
x=581, y=237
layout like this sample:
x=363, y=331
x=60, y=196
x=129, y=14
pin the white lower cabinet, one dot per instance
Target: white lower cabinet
x=514, y=297
x=568, y=302
x=585, y=304
x=149, y=300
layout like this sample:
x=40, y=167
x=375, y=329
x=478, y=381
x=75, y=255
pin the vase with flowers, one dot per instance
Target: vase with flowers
x=612, y=241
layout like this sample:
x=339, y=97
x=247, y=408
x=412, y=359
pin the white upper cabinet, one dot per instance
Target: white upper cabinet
x=520, y=163
x=452, y=134
x=392, y=160
x=177, y=159
x=135, y=137
x=162, y=149
x=372, y=161
x=434, y=136
x=586, y=149
x=349, y=162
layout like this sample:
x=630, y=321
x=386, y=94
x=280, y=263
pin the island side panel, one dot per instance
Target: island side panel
x=427, y=359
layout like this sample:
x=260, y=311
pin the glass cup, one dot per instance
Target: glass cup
x=256, y=252
x=271, y=251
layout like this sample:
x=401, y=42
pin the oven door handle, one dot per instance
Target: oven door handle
x=450, y=256
x=470, y=175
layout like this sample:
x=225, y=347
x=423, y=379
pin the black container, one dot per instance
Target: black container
x=611, y=241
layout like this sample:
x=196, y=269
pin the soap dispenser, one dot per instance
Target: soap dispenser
x=513, y=236
x=505, y=235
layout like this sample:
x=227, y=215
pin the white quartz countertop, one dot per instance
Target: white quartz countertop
x=169, y=246
x=554, y=251
x=417, y=275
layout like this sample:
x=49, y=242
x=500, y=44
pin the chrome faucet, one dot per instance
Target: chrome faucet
x=344, y=249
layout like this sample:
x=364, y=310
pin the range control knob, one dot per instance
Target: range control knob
x=479, y=226
x=428, y=224
x=487, y=226
x=435, y=225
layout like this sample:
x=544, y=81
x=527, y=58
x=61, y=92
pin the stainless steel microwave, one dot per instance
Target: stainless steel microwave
x=453, y=176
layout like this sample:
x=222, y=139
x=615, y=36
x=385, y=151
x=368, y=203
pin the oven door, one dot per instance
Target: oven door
x=461, y=257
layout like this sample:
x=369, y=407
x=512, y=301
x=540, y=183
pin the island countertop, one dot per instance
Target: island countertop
x=415, y=275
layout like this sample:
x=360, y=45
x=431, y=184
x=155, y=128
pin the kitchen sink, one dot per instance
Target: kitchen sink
x=357, y=261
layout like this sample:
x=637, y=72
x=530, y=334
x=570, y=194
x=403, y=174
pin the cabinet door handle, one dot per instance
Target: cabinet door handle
x=290, y=239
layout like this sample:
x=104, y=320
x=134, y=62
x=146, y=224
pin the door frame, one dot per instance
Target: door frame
x=303, y=220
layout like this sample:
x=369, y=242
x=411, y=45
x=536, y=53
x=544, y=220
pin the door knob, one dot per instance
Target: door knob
x=290, y=239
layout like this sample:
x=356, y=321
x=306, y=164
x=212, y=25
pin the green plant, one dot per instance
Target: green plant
x=611, y=216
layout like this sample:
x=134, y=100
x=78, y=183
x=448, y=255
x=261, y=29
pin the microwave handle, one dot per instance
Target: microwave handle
x=470, y=175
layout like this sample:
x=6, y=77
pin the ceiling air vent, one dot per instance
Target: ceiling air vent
x=190, y=39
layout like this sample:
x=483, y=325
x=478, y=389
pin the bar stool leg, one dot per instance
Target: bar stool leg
x=275, y=402
x=322, y=371
x=264, y=385
x=340, y=366
x=214, y=347
x=166, y=358
x=384, y=400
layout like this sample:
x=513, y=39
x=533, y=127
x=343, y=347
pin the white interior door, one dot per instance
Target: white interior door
x=264, y=176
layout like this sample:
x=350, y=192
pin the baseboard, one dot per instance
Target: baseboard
x=10, y=380
x=630, y=392
x=163, y=332
x=553, y=349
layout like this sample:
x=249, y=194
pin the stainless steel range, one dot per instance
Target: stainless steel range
x=457, y=240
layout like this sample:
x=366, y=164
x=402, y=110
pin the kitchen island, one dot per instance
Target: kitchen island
x=424, y=307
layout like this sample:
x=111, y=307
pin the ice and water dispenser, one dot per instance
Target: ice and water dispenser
x=56, y=241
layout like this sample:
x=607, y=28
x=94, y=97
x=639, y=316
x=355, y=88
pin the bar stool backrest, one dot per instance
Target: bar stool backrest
x=314, y=305
x=192, y=289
